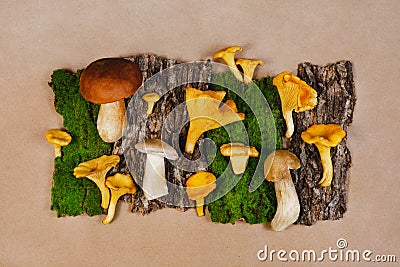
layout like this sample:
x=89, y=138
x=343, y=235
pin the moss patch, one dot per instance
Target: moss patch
x=72, y=196
x=260, y=205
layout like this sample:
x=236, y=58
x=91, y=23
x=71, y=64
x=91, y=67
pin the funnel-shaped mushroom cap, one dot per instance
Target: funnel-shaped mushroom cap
x=228, y=50
x=248, y=67
x=58, y=137
x=110, y=79
x=201, y=184
x=329, y=135
x=96, y=165
x=158, y=148
x=121, y=182
x=206, y=113
x=278, y=163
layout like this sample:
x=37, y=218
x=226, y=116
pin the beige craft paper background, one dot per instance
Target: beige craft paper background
x=40, y=36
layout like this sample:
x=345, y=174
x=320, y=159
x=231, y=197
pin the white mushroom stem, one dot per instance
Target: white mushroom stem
x=287, y=115
x=150, y=106
x=239, y=163
x=110, y=121
x=288, y=209
x=154, y=183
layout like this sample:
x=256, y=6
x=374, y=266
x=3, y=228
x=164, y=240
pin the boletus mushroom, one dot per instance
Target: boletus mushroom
x=107, y=82
x=154, y=183
x=228, y=55
x=96, y=171
x=324, y=136
x=119, y=185
x=248, y=66
x=150, y=99
x=206, y=113
x=58, y=138
x=198, y=186
x=239, y=155
x=277, y=169
x=296, y=95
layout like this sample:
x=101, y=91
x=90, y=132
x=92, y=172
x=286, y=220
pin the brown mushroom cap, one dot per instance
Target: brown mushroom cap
x=110, y=79
x=279, y=161
x=329, y=135
x=158, y=148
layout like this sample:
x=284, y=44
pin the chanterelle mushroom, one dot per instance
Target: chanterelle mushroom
x=58, y=138
x=205, y=113
x=119, y=185
x=239, y=155
x=248, y=67
x=277, y=169
x=228, y=55
x=296, y=95
x=150, y=98
x=107, y=82
x=198, y=186
x=96, y=170
x=324, y=136
x=154, y=183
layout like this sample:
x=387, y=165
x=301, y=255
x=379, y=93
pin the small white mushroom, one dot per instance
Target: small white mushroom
x=277, y=169
x=151, y=99
x=154, y=183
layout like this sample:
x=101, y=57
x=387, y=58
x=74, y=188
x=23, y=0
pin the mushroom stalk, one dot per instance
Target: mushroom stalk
x=57, y=151
x=99, y=179
x=230, y=61
x=200, y=207
x=288, y=116
x=154, y=183
x=110, y=120
x=193, y=135
x=113, y=203
x=288, y=209
x=325, y=154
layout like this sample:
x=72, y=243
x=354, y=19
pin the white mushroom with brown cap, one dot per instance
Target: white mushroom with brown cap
x=108, y=82
x=239, y=155
x=154, y=183
x=277, y=169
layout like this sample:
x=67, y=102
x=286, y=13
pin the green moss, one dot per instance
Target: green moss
x=260, y=205
x=72, y=196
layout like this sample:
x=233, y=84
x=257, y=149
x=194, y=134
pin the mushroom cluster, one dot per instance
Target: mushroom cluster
x=248, y=65
x=112, y=187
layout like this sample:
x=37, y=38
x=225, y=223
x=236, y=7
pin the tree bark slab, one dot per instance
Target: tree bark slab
x=336, y=99
x=173, y=130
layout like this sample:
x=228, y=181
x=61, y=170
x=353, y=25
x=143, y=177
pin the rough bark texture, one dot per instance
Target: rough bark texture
x=173, y=130
x=336, y=100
